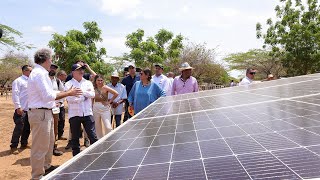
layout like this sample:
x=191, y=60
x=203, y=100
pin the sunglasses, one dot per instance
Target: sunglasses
x=252, y=73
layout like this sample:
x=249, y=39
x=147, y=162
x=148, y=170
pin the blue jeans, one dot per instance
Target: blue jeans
x=75, y=126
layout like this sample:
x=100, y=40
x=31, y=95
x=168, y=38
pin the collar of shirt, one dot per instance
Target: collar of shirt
x=24, y=77
x=41, y=68
x=183, y=79
x=110, y=84
x=250, y=80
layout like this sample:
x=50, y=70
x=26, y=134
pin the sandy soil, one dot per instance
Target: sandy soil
x=18, y=166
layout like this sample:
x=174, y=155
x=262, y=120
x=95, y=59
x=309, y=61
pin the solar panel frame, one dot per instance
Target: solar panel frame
x=184, y=126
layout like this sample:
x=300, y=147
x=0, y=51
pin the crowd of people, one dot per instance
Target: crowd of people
x=40, y=93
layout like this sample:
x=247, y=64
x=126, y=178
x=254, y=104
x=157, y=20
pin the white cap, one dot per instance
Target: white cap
x=115, y=74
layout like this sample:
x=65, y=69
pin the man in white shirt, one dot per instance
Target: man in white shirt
x=117, y=105
x=41, y=100
x=250, y=72
x=161, y=80
x=20, y=116
x=80, y=108
x=57, y=86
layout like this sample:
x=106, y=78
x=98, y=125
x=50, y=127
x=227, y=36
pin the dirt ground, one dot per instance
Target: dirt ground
x=18, y=166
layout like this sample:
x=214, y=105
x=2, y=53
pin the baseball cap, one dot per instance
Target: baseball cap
x=76, y=67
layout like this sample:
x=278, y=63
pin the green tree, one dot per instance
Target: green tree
x=78, y=45
x=10, y=67
x=8, y=39
x=261, y=60
x=295, y=35
x=164, y=47
x=202, y=59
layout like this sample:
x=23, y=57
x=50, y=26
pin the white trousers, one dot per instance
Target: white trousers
x=101, y=115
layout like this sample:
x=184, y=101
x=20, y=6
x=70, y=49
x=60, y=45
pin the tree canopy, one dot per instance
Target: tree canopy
x=294, y=35
x=162, y=48
x=260, y=59
x=9, y=40
x=202, y=59
x=78, y=45
x=10, y=67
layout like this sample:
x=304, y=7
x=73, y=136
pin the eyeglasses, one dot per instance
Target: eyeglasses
x=252, y=73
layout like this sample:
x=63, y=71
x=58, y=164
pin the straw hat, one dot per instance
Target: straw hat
x=185, y=66
x=115, y=74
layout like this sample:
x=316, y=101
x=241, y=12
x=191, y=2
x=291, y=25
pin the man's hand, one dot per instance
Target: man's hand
x=115, y=104
x=74, y=91
x=19, y=111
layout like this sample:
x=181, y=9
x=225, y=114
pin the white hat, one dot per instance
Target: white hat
x=115, y=74
x=185, y=66
x=270, y=76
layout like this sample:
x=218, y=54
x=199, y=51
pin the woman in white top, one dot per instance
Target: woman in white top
x=101, y=106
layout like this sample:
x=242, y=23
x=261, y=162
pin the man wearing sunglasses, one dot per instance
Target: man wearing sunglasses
x=249, y=77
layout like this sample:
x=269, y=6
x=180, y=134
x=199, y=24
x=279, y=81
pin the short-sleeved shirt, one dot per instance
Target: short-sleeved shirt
x=122, y=95
x=180, y=86
x=85, y=76
x=129, y=82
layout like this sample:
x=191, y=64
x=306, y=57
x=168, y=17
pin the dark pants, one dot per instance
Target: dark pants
x=21, y=129
x=62, y=119
x=126, y=114
x=117, y=118
x=75, y=124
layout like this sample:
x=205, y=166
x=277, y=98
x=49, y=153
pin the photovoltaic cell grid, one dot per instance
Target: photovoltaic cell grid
x=254, y=132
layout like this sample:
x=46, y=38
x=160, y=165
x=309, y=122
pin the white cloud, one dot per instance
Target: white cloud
x=119, y=6
x=46, y=29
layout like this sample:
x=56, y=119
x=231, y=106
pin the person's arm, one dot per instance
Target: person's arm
x=131, y=94
x=112, y=91
x=196, y=87
x=123, y=95
x=72, y=99
x=90, y=70
x=61, y=89
x=89, y=91
x=173, y=91
x=16, y=97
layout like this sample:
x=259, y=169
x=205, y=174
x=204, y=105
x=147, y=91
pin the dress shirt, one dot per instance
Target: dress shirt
x=180, y=86
x=40, y=90
x=20, y=93
x=80, y=105
x=163, y=82
x=245, y=81
x=57, y=88
x=129, y=82
x=122, y=95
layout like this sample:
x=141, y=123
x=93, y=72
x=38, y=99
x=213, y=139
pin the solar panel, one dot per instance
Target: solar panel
x=268, y=130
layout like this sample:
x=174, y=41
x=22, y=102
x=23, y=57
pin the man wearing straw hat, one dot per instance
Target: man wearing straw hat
x=185, y=83
x=117, y=105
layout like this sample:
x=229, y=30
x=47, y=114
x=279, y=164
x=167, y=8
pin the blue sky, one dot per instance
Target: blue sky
x=228, y=25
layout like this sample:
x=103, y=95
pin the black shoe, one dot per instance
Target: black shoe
x=56, y=152
x=62, y=138
x=50, y=169
x=24, y=146
x=86, y=142
x=68, y=146
x=14, y=151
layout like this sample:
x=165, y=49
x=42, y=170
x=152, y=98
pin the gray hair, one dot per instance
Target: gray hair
x=61, y=72
x=248, y=70
x=42, y=55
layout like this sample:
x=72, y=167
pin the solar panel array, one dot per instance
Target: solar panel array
x=268, y=130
